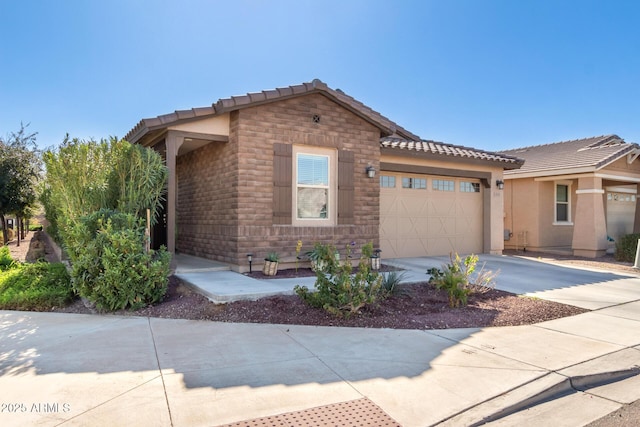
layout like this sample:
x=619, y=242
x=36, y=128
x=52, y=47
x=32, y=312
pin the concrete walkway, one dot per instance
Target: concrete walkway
x=580, y=287
x=66, y=369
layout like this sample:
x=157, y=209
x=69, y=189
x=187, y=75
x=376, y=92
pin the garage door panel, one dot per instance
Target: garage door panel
x=424, y=222
x=388, y=204
x=440, y=205
x=388, y=227
x=442, y=226
x=406, y=228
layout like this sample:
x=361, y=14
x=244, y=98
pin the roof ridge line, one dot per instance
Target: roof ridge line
x=598, y=138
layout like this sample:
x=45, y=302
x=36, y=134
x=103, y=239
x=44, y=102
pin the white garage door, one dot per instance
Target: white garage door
x=621, y=211
x=423, y=215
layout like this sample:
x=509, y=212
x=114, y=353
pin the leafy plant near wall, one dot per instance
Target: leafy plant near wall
x=86, y=176
x=626, y=247
x=110, y=266
x=339, y=291
x=6, y=261
x=460, y=279
x=320, y=254
x=96, y=195
x=272, y=257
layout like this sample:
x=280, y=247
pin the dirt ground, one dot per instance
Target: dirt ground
x=416, y=306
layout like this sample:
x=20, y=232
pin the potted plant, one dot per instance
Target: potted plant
x=271, y=264
x=320, y=256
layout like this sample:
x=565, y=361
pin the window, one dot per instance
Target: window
x=387, y=181
x=312, y=186
x=563, y=211
x=417, y=183
x=443, y=185
x=469, y=187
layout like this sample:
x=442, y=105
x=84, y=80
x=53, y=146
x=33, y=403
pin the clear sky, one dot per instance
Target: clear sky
x=487, y=74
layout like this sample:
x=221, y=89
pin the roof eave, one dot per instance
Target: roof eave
x=400, y=152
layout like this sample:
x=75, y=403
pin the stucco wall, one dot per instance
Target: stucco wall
x=529, y=214
x=550, y=234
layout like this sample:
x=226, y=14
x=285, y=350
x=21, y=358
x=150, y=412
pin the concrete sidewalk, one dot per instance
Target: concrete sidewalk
x=66, y=369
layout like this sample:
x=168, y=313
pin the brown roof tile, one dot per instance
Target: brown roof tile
x=566, y=156
x=251, y=99
x=441, y=148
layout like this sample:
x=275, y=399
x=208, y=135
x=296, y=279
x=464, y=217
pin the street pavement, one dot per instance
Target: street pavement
x=70, y=369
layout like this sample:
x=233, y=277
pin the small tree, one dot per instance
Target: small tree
x=19, y=173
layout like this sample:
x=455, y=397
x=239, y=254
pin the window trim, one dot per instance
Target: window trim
x=412, y=181
x=567, y=184
x=388, y=180
x=332, y=213
x=474, y=185
x=435, y=185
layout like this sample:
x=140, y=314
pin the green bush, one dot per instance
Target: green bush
x=392, y=280
x=110, y=265
x=35, y=227
x=458, y=279
x=38, y=286
x=6, y=261
x=337, y=290
x=626, y=248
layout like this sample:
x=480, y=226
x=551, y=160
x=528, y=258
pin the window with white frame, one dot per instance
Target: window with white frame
x=417, y=183
x=443, y=185
x=469, y=187
x=563, y=203
x=387, y=181
x=314, y=186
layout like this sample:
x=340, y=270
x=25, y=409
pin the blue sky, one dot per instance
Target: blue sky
x=487, y=74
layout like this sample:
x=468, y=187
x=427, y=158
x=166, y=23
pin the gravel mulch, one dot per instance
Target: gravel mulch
x=415, y=306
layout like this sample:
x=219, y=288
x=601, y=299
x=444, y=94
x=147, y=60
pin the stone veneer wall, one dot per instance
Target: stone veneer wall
x=225, y=190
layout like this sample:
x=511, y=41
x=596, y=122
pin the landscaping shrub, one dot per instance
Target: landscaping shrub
x=392, y=280
x=35, y=227
x=6, y=261
x=457, y=278
x=39, y=286
x=110, y=265
x=339, y=291
x=626, y=247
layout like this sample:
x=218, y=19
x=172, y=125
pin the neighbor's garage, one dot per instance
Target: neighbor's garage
x=425, y=215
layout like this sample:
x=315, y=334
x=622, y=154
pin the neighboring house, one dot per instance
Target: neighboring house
x=257, y=173
x=573, y=195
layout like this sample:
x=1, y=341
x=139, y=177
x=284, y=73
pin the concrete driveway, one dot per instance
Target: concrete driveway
x=589, y=289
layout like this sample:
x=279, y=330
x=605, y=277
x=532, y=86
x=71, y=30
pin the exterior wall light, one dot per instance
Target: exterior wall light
x=500, y=184
x=250, y=259
x=375, y=260
x=371, y=171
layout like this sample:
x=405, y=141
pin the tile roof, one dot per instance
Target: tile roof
x=225, y=105
x=570, y=156
x=441, y=148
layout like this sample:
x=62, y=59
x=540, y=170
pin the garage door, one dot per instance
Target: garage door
x=621, y=211
x=423, y=215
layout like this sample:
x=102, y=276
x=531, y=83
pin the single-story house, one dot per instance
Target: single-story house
x=259, y=172
x=579, y=195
